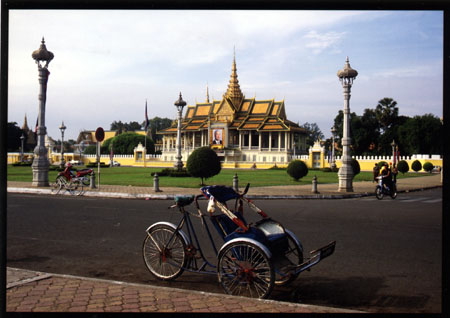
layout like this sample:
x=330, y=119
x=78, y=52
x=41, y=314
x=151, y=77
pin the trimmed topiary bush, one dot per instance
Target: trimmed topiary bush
x=22, y=164
x=355, y=166
x=428, y=167
x=203, y=163
x=297, y=169
x=416, y=166
x=171, y=172
x=403, y=166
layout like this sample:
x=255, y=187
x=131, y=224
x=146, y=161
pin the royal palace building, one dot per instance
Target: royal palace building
x=238, y=129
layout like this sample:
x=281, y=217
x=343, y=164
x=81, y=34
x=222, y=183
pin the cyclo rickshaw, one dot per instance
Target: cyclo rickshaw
x=253, y=259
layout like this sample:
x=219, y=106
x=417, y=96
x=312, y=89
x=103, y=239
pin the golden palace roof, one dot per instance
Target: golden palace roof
x=237, y=112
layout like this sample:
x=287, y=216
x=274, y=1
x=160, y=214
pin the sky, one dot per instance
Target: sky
x=108, y=63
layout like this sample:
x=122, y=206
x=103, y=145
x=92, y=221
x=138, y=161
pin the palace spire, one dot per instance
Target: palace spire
x=234, y=93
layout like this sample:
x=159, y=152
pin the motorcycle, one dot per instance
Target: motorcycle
x=83, y=175
x=382, y=189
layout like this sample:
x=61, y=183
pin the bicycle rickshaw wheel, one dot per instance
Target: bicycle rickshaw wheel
x=292, y=257
x=379, y=193
x=164, y=252
x=244, y=269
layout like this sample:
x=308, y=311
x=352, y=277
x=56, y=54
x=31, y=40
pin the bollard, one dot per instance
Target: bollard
x=314, y=185
x=92, y=185
x=156, y=183
x=235, y=183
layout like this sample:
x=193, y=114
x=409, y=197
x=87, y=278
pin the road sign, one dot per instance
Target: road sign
x=100, y=134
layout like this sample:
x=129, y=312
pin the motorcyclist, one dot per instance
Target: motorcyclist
x=386, y=175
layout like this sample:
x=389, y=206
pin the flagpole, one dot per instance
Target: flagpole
x=145, y=140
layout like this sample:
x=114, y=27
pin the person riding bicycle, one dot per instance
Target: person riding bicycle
x=386, y=175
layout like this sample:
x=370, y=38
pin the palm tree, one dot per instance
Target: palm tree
x=386, y=112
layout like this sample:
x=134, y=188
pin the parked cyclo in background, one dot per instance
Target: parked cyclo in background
x=253, y=259
x=71, y=181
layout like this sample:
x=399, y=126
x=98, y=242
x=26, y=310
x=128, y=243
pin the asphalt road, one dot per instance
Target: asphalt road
x=388, y=256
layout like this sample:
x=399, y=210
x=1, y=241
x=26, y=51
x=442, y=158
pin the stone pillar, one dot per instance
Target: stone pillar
x=270, y=141
x=240, y=139
x=279, y=141
x=249, y=139
x=259, y=141
x=286, y=140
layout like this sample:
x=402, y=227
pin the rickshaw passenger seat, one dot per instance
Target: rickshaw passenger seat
x=183, y=200
x=224, y=224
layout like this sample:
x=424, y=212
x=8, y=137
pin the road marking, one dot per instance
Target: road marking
x=408, y=200
x=433, y=201
x=413, y=199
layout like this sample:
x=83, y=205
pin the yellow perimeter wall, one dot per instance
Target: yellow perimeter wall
x=365, y=164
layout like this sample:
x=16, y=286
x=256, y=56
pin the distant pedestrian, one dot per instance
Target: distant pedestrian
x=376, y=172
x=394, y=172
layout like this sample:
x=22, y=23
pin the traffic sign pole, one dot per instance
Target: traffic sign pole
x=99, y=135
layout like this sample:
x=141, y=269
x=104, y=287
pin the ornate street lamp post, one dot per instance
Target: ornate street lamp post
x=180, y=103
x=333, y=162
x=393, y=144
x=347, y=75
x=21, y=149
x=62, y=128
x=40, y=163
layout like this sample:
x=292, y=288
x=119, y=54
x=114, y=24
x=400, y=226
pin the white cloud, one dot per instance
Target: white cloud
x=318, y=42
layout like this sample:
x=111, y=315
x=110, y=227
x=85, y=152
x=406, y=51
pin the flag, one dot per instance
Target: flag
x=37, y=124
x=146, y=116
x=396, y=157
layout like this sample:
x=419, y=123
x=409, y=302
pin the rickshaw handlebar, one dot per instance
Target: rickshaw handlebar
x=196, y=200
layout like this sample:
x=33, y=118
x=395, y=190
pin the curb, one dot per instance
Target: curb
x=42, y=275
x=121, y=195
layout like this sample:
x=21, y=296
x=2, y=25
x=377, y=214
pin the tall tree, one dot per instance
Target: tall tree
x=132, y=126
x=313, y=131
x=157, y=124
x=125, y=143
x=118, y=125
x=14, y=132
x=386, y=112
x=421, y=135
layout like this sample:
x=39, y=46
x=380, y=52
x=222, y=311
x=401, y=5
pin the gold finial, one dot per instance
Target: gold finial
x=207, y=93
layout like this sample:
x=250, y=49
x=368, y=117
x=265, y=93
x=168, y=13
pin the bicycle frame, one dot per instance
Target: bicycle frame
x=185, y=221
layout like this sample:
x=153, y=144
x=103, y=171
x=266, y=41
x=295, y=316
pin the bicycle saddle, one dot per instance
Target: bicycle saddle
x=184, y=200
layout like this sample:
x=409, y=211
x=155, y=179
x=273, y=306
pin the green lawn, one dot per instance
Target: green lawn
x=135, y=176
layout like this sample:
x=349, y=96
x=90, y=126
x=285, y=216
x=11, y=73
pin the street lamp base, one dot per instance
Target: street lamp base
x=178, y=165
x=345, y=175
x=40, y=172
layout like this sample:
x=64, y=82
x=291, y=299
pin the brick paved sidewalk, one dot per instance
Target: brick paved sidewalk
x=39, y=292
